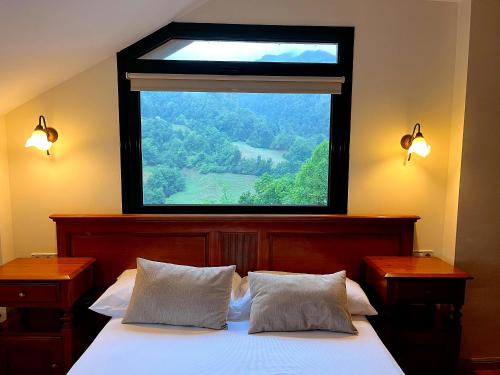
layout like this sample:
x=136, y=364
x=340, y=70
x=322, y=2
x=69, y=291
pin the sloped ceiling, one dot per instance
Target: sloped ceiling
x=43, y=43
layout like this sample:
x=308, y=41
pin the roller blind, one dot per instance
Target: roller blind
x=234, y=83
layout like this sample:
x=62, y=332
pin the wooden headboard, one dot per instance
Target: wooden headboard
x=294, y=243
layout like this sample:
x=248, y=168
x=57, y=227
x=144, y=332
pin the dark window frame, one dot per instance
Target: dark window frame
x=128, y=60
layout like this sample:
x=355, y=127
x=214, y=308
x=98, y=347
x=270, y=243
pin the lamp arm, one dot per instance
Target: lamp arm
x=44, y=122
x=415, y=128
x=51, y=132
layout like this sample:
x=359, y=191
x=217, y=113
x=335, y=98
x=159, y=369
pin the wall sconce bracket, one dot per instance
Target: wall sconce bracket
x=406, y=141
x=52, y=134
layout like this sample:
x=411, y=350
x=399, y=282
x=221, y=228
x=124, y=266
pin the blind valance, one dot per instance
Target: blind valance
x=235, y=83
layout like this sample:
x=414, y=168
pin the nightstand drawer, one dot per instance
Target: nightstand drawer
x=29, y=292
x=31, y=355
x=439, y=291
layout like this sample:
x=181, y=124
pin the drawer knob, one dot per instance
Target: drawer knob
x=54, y=365
x=22, y=294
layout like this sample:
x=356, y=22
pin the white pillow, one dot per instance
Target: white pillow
x=356, y=299
x=114, y=301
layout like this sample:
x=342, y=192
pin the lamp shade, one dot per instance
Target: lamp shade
x=39, y=140
x=419, y=146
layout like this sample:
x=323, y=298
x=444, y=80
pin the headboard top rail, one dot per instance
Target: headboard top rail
x=233, y=217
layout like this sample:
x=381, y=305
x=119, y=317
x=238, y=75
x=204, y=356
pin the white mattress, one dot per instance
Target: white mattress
x=156, y=349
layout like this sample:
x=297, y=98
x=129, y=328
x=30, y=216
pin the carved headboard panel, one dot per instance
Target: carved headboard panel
x=296, y=243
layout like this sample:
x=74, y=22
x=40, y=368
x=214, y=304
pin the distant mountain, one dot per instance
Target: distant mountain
x=317, y=56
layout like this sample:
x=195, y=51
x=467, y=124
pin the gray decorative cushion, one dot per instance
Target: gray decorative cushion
x=180, y=295
x=299, y=303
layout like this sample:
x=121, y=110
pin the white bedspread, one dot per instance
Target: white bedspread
x=155, y=349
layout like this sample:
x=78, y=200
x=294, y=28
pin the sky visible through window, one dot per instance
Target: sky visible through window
x=200, y=50
x=235, y=148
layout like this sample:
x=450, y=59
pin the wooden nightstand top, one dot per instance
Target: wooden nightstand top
x=414, y=267
x=42, y=269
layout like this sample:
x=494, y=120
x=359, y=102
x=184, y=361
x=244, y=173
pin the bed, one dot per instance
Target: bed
x=153, y=349
x=293, y=243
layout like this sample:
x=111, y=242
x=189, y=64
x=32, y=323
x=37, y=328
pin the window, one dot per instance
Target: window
x=223, y=50
x=236, y=118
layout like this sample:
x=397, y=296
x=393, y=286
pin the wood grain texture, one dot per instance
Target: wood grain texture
x=116, y=251
x=32, y=284
x=305, y=243
x=54, y=282
x=415, y=280
x=231, y=217
x=43, y=269
x=328, y=252
x=415, y=267
x=240, y=249
x=419, y=301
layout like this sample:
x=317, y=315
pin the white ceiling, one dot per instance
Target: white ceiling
x=43, y=43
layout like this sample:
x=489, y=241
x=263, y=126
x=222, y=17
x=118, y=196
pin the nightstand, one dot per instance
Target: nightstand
x=40, y=294
x=419, y=301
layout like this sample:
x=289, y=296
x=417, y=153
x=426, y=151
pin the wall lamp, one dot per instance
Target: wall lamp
x=415, y=143
x=42, y=137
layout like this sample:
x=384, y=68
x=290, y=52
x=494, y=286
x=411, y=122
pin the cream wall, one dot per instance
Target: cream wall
x=403, y=73
x=83, y=175
x=478, y=234
x=6, y=244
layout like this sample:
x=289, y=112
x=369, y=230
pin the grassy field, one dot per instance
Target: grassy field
x=212, y=188
x=218, y=188
x=249, y=152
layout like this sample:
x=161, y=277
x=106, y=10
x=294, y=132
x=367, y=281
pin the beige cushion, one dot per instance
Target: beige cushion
x=180, y=295
x=356, y=298
x=299, y=303
x=114, y=301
